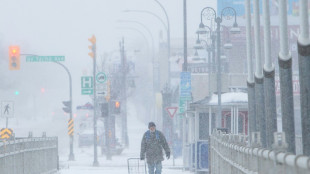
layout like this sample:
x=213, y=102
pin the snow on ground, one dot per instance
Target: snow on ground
x=118, y=165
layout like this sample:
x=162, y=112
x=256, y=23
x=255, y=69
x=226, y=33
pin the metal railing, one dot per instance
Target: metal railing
x=29, y=155
x=230, y=154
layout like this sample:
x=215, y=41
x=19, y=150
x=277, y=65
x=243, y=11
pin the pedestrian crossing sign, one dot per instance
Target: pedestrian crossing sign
x=7, y=109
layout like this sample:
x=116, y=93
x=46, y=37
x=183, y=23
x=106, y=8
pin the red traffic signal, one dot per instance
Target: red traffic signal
x=117, y=104
x=14, y=58
x=117, y=107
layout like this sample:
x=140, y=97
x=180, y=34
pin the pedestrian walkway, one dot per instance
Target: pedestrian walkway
x=118, y=165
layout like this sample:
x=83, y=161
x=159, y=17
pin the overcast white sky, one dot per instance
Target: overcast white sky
x=62, y=27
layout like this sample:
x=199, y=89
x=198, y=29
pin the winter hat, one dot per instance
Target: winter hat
x=152, y=124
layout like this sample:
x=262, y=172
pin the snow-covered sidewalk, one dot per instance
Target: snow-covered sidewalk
x=118, y=165
x=83, y=163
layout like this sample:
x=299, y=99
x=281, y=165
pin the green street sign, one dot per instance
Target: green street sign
x=45, y=58
x=87, y=85
x=182, y=104
x=101, y=77
x=87, y=91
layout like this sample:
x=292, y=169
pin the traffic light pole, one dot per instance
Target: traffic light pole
x=71, y=155
x=124, y=93
x=96, y=163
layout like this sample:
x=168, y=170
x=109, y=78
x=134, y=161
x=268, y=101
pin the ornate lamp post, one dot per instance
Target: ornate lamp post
x=228, y=13
x=204, y=44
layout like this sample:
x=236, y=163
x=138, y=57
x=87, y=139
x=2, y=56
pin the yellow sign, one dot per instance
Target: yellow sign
x=70, y=127
x=6, y=133
x=108, y=97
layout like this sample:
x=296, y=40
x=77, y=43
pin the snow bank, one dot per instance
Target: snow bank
x=230, y=97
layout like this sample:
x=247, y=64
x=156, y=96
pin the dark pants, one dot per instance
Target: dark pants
x=155, y=166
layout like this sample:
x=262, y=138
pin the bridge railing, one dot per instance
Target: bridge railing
x=29, y=155
x=231, y=154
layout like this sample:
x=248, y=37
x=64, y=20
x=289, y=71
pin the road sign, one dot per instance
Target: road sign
x=87, y=85
x=45, y=58
x=185, y=90
x=102, y=89
x=171, y=111
x=70, y=127
x=7, y=109
x=6, y=133
x=101, y=77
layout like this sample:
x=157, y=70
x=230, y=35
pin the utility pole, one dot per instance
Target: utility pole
x=304, y=78
x=168, y=40
x=93, y=55
x=185, y=36
x=71, y=155
x=124, y=95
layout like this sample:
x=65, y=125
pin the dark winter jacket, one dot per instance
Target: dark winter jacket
x=152, y=145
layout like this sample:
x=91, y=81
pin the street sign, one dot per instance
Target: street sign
x=171, y=111
x=70, y=127
x=45, y=58
x=185, y=90
x=102, y=89
x=101, y=77
x=7, y=109
x=87, y=85
x=6, y=133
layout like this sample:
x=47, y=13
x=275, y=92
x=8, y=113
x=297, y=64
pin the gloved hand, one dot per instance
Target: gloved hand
x=142, y=158
x=168, y=155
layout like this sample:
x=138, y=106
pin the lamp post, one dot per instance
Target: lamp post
x=168, y=38
x=208, y=48
x=156, y=84
x=155, y=64
x=71, y=155
x=138, y=31
x=227, y=13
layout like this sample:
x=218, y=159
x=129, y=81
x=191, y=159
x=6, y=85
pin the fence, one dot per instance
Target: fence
x=29, y=155
x=230, y=154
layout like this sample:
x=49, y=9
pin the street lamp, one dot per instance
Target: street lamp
x=210, y=14
x=208, y=48
x=168, y=38
x=155, y=64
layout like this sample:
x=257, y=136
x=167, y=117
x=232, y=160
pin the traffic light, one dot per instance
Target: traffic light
x=104, y=107
x=67, y=107
x=42, y=90
x=117, y=107
x=14, y=58
x=92, y=47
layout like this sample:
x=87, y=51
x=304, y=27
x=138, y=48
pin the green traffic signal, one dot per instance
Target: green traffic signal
x=16, y=92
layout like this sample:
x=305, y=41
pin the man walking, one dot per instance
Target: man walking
x=152, y=145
